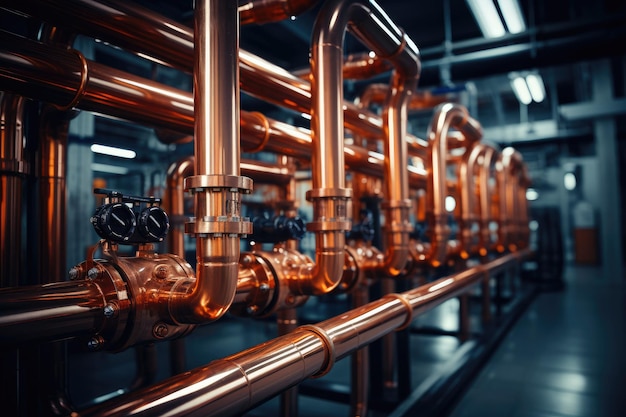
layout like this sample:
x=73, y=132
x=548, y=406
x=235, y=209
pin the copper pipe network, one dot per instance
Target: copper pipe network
x=446, y=116
x=168, y=42
x=130, y=96
x=236, y=383
x=216, y=184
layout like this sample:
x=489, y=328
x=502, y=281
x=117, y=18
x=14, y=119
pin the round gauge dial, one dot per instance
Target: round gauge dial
x=154, y=223
x=115, y=222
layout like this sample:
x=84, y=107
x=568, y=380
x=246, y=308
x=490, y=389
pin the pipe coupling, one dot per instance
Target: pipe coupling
x=330, y=209
x=136, y=290
x=220, y=196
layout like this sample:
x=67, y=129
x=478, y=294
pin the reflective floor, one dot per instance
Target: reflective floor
x=564, y=357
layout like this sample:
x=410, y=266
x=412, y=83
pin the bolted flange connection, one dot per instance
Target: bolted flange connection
x=218, y=200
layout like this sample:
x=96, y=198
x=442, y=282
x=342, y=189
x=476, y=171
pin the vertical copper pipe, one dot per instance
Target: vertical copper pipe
x=469, y=207
x=52, y=196
x=175, y=201
x=13, y=167
x=360, y=367
x=287, y=320
x=486, y=210
x=446, y=116
x=216, y=185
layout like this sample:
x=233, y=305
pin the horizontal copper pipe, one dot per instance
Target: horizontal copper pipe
x=46, y=72
x=267, y=11
x=50, y=312
x=166, y=41
x=236, y=383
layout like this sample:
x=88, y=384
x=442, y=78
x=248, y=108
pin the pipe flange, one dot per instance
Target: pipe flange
x=219, y=225
x=218, y=182
x=338, y=193
x=330, y=349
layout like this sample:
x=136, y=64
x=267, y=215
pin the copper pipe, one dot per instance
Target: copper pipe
x=52, y=195
x=167, y=106
x=166, y=41
x=175, y=203
x=216, y=184
x=287, y=321
x=486, y=197
x=66, y=78
x=360, y=368
x=236, y=383
x=515, y=196
x=446, y=116
x=267, y=11
x=13, y=168
x=51, y=311
x=359, y=66
x=397, y=204
x=468, y=205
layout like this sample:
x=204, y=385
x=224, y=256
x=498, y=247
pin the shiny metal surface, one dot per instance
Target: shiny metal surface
x=266, y=11
x=49, y=312
x=446, y=116
x=217, y=225
x=236, y=383
x=13, y=169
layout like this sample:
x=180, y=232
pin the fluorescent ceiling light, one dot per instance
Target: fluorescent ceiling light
x=112, y=151
x=487, y=18
x=536, y=87
x=520, y=88
x=109, y=169
x=512, y=15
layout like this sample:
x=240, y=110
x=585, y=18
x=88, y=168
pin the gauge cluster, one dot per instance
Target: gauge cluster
x=130, y=220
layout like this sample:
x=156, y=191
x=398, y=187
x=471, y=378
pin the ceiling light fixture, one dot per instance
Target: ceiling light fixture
x=536, y=87
x=520, y=88
x=112, y=151
x=512, y=15
x=487, y=18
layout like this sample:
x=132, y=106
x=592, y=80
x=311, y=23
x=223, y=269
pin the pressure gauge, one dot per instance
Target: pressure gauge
x=153, y=223
x=114, y=222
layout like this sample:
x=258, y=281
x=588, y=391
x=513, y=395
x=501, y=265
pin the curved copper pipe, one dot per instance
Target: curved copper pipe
x=267, y=11
x=446, y=116
x=217, y=184
x=265, y=370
